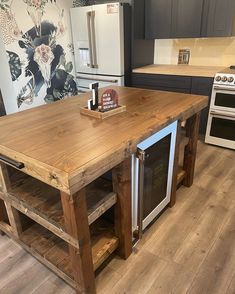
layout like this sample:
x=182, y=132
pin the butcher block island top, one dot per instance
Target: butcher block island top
x=68, y=150
x=52, y=198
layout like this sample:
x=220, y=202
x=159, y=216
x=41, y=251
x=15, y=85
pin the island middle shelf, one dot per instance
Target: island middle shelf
x=42, y=202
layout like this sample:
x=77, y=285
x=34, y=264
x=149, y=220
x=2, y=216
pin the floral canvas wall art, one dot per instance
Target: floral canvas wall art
x=37, y=37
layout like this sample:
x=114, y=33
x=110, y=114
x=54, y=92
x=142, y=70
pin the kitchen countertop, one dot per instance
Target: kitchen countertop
x=181, y=70
x=68, y=150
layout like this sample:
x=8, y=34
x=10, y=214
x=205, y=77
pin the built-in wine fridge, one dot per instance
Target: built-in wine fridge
x=152, y=171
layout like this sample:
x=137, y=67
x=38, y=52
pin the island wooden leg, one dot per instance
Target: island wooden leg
x=123, y=224
x=14, y=219
x=191, y=149
x=13, y=214
x=176, y=166
x=3, y=215
x=76, y=223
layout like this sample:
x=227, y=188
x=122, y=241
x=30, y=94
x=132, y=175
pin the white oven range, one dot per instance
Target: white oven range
x=221, y=120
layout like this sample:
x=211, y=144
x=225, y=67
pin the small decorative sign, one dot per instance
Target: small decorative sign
x=109, y=100
x=112, y=8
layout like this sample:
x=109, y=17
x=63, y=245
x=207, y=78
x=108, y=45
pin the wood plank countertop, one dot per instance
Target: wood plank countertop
x=180, y=70
x=67, y=150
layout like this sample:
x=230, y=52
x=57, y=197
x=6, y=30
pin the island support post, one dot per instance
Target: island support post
x=190, y=152
x=76, y=224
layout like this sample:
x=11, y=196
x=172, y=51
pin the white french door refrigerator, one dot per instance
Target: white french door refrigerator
x=98, y=37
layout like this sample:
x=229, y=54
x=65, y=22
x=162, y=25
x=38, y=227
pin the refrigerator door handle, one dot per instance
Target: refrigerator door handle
x=89, y=38
x=93, y=40
x=98, y=80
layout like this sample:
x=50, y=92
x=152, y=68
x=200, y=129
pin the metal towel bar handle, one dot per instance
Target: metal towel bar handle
x=11, y=162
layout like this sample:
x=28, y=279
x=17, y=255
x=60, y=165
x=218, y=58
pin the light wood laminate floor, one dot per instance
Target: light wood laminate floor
x=189, y=249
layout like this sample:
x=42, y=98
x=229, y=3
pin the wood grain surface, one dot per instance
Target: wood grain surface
x=180, y=70
x=68, y=151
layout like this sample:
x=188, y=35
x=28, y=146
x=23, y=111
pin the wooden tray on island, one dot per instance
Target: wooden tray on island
x=102, y=115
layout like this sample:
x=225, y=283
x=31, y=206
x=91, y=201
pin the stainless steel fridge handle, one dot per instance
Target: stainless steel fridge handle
x=81, y=91
x=98, y=80
x=88, y=15
x=93, y=40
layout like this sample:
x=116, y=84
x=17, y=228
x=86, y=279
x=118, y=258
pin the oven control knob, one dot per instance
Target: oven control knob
x=230, y=79
x=218, y=78
x=224, y=79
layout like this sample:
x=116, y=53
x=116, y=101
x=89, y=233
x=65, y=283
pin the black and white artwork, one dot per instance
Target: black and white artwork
x=39, y=50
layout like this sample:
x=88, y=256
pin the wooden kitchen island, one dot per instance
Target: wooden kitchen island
x=52, y=195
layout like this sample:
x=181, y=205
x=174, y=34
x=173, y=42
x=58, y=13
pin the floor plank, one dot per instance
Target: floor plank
x=216, y=272
x=141, y=275
x=174, y=278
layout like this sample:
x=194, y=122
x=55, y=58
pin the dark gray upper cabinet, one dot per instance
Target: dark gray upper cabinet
x=173, y=18
x=166, y=19
x=186, y=18
x=158, y=19
x=138, y=16
x=218, y=16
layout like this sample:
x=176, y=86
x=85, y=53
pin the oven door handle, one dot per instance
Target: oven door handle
x=223, y=114
x=224, y=89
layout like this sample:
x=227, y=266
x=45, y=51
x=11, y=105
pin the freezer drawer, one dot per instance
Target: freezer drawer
x=83, y=81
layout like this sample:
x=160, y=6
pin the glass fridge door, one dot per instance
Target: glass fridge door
x=155, y=169
x=156, y=174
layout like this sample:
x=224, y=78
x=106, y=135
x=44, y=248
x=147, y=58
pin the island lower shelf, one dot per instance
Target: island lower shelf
x=41, y=226
x=53, y=251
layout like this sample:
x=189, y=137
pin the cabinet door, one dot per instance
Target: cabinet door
x=158, y=17
x=186, y=18
x=218, y=18
x=171, y=83
x=138, y=11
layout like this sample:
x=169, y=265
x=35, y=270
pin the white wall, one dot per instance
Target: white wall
x=204, y=51
x=6, y=84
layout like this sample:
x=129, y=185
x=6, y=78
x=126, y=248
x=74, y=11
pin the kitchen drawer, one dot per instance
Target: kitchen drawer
x=201, y=86
x=162, y=82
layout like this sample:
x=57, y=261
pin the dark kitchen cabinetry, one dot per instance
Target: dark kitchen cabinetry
x=173, y=18
x=166, y=19
x=202, y=86
x=158, y=19
x=181, y=84
x=142, y=49
x=186, y=18
x=218, y=17
x=170, y=83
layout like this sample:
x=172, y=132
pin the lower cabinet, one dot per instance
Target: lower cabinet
x=181, y=84
x=170, y=83
x=202, y=86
